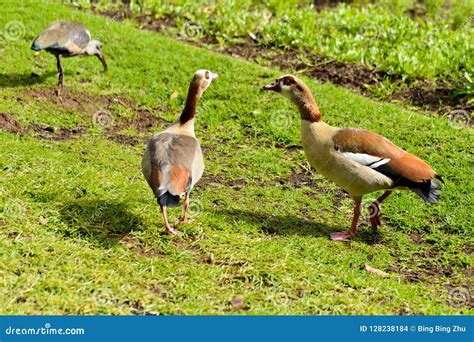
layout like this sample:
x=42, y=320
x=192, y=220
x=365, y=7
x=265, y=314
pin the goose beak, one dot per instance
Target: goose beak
x=101, y=57
x=272, y=86
x=214, y=76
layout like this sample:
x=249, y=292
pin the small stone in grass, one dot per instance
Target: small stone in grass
x=42, y=220
x=237, y=303
x=376, y=271
x=174, y=95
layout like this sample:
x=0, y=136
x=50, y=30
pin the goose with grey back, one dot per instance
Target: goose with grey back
x=357, y=160
x=68, y=39
x=172, y=163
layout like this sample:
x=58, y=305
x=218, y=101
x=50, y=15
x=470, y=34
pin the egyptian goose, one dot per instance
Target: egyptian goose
x=68, y=39
x=172, y=163
x=359, y=161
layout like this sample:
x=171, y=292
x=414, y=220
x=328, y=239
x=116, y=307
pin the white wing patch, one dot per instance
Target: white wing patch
x=165, y=170
x=381, y=162
x=366, y=159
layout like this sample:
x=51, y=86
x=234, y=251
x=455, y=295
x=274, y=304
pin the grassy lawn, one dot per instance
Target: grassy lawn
x=80, y=232
x=408, y=40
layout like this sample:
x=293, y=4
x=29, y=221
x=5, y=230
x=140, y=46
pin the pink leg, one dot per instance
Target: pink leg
x=338, y=236
x=167, y=225
x=185, y=209
x=374, y=210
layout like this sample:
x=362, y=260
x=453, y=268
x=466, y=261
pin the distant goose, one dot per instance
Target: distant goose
x=359, y=161
x=173, y=163
x=68, y=39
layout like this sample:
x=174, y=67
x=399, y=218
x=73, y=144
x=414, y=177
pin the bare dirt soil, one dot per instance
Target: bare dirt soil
x=144, y=120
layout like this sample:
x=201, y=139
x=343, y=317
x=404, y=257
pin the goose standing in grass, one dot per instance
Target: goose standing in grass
x=68, y=39
x=172, y=163
x=359, y=161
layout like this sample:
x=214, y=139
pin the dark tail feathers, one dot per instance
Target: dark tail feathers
x=168, y=200
x=428, y=191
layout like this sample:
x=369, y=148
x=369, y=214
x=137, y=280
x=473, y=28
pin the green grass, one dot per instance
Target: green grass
x=101, y=248
x=438, y=46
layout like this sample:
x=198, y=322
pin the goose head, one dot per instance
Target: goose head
x=289, y=86
x=201, y=81
x=94, y=48
x=298, y=92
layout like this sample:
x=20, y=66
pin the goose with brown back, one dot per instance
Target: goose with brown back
x=173, y=163
x=68, y=39
x=357, y=160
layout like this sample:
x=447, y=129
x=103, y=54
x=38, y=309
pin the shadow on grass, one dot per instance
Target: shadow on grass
x=289, y=224
x=279, y=224
x=13, y=80
x=101, y=222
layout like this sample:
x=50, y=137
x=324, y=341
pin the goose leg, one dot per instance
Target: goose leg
x=60, y=71
x=338, y=236
x=165, y=218
x=374, y=210
x=60, y=77
x=185, y=209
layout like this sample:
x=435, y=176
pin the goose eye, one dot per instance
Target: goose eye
x=207, y=75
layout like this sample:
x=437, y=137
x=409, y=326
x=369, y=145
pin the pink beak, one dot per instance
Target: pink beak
x=273, y=86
